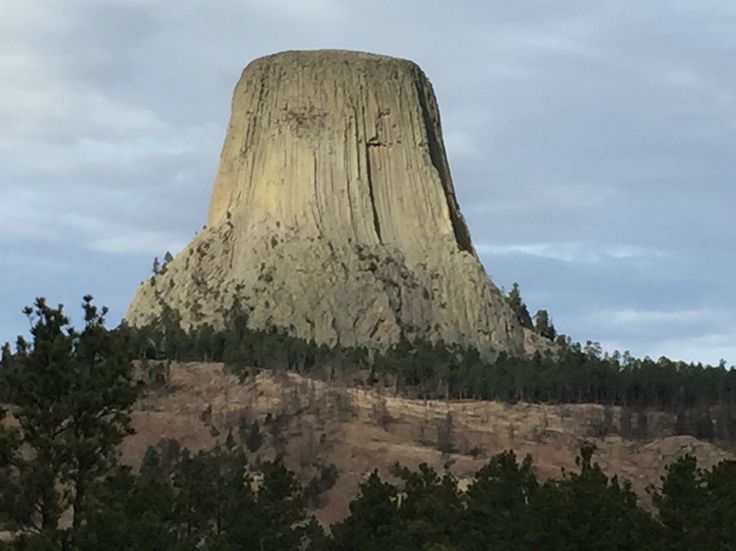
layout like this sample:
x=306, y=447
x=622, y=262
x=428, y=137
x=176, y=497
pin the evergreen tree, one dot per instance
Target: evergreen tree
x=253, y=437
x=431, y=511
x=517, y=305
x=70, y=394
x=131, y=513
x=498, y=501
x=543, y=325
x=697, y=507
x=373, y=515
x=587, y=510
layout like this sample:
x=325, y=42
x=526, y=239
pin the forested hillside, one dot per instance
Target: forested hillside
x=68, y=398
x=702, y=397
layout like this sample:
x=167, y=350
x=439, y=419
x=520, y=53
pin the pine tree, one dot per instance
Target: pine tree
x=70, y=394
x=587, y=510
x=253, y=437
x=498, y=504
x=543, y=325
x=373, y=515
x=516, y=303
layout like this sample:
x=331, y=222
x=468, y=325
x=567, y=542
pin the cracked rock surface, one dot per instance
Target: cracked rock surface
x=333, y=214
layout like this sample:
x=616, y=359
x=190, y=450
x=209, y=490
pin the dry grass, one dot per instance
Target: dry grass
x=360, y=430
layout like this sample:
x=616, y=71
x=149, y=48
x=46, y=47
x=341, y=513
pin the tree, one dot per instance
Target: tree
x=276, y=517
x=373, y=514
x=698, y=507
x=211, y=500
x=131, y=513
x=543, y=325
x=70, y=393
x=324, y=480
x=156, y=266
x=253, y=437
x=430, y=511
x=498, y=504
x=445, y=442
x=587, y=510
x=720, y=517
x=517, y=305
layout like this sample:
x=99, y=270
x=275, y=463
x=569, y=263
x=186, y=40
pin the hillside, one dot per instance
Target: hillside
x=358, y=429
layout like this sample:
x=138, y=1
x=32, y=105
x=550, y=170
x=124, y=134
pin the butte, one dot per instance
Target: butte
x=333, y=216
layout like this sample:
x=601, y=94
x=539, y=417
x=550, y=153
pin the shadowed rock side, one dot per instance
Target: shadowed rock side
x=333, y=214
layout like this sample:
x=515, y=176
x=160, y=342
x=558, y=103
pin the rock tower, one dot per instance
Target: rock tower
x=333, y=214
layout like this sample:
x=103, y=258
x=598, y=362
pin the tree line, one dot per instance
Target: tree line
x=68, y=396
x=702, y=398
x=506, y=507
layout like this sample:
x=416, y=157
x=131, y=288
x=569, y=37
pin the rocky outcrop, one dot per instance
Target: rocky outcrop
x=333, y=214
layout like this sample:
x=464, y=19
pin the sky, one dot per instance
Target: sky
x=591, y=146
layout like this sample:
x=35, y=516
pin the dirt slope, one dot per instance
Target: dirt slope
x=360, y=430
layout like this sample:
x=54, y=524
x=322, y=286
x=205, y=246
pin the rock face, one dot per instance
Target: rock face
x=333, y=214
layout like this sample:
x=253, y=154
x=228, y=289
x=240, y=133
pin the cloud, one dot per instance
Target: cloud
x=459, y=145
x=689, y=348
x=18, y=265
x=315, y=11
x=572, y=251
x=145, y=242
x=706, y=334
x=635, y=319
x=59, y=116
x=720, y=346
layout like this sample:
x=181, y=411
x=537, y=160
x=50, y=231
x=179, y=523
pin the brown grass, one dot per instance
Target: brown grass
x=360, y=430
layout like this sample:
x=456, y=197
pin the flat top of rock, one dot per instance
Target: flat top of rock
x=327, y=58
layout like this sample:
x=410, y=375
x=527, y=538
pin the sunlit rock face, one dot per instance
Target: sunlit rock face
x=333, y=214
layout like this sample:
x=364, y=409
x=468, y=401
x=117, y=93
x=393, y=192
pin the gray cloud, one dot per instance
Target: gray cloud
x=590, y=143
